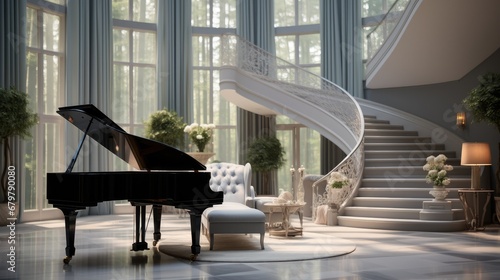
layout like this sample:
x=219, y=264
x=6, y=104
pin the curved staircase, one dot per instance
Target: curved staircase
x=384, y=159
x=393, y=187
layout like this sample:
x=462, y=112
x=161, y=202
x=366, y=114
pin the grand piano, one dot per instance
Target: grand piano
x=164, y=176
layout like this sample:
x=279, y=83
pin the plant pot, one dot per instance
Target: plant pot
x=331, y=217
x=201, y=157
x=439, y=193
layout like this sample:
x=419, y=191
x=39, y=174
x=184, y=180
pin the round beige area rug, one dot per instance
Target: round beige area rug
x=246, y=248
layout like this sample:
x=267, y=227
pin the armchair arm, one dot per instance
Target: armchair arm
x=250, y=200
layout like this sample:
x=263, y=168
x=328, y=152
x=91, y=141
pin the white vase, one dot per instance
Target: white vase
x=201, y=157
x=439, y=193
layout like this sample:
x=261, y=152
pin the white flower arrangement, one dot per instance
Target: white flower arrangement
x=335, y=192
x=337, y=180
x=200, y=134
x=437, y=171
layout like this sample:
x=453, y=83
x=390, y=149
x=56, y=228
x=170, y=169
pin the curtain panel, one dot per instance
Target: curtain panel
x=89, y=77
x=341, y=59
x=13, y=73
x=174, y=69
x=255, y=23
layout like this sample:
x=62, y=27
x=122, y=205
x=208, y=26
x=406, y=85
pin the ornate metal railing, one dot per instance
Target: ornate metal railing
x=309, y=87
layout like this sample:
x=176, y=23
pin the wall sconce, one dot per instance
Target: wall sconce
x=461, y=120
x=475, y=155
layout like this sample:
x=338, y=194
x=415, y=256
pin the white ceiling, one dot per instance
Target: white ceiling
x=444, y=40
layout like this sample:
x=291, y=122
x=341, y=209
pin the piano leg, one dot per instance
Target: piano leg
x=140, y=229
x=195, y=218
x=157, y=209
x=70, y=225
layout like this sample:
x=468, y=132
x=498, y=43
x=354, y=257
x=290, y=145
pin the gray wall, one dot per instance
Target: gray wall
x=439, y=103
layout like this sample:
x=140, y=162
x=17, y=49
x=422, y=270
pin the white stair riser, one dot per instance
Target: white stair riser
x=401, y=182
x=403, y=224
x=397, y=139
x=402, y=192
x=407, y=154
x=410, y=171
x=374, y=162
x=402, y=146
x=414, y=203
x=383, y=126
x=394, y=213
x=378, y=132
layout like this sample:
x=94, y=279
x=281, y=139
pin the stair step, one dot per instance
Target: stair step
x=409, y=171
x=389, y=132
x=403, y=146
x=383, y=126
x=396, y=139
x=404, y=162
x=402, y=224
x=374, y=121
x=399, y=202
x=399, y=182
x=407, y=154
x=402, y=192
x=393, y=213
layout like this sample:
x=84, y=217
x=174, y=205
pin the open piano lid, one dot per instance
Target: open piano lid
x=141, y=153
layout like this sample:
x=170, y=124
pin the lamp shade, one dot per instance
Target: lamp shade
x=475, y=154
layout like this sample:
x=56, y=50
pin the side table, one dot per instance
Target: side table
x=286, y=229
x=471, y=198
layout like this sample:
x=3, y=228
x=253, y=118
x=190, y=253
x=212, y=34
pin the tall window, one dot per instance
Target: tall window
x=134, y=95
x=45, y=86
x=211, y=19
x=297, y=41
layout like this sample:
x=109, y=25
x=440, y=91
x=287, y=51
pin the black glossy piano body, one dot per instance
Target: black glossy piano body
x=165, y=176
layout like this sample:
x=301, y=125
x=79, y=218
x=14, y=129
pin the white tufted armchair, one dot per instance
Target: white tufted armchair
x=233, y=215
x=233, y=180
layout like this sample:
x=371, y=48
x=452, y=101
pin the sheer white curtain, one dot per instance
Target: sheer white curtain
x=89, y=60
x=174, y=70
x=341, y=59
x=255, y=23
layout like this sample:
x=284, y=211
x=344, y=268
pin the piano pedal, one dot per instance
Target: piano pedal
x=139, y=246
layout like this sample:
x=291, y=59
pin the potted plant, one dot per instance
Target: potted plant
x=167, y=127
x=200, y=135
x=16, y=120
x=266, y=154
x=484, y=104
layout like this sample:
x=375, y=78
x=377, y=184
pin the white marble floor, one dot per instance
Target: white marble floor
x=103, y=252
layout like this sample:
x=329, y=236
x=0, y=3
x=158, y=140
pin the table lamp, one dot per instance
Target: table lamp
x=475, y=155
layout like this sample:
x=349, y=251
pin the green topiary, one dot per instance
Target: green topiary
x=266, y=154
x=484, y=100
x=16, y=119
x=166, y=127
x=484, y=104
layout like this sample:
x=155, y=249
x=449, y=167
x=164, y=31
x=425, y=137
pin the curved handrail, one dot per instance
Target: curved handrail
x=312, y=90
x=383, y=28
